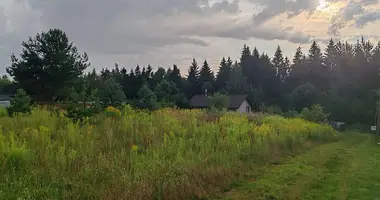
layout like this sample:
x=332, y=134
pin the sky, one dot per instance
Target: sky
x=167, y=32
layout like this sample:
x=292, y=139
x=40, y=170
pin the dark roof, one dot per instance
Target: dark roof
x=202, y=101
x=4, y=97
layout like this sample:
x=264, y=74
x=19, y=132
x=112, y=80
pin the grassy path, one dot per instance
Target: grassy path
x=347, y=169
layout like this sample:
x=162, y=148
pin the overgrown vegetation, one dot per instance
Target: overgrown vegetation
x=342, y=78
x=314, y=114
x=20, y=104
x=131, y=154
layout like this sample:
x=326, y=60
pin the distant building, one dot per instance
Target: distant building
x=237, y=103
x=5, y=100
x=337, y=125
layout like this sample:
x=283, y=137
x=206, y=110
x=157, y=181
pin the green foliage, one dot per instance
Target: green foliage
x=21, y=103
x=48, y=65
x=330, y=78
x=219, y=102
x=111, y=94
x=3, y=112
x=165, y=92
x=17, y=158
x=223, y=74
x=314, y=114
x=325, y=167
x=141, y=155
x=4, y=81
x=237, y=82
x=206, y=77
x=291, y=113
x=274, y=110
x=303, y=96
x=83, y=102
x=193, y=79
x=147, y=99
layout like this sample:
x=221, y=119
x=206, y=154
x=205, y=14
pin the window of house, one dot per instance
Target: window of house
x=247, y=109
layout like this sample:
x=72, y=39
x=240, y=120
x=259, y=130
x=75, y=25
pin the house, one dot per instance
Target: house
x=5, y=100
x=236, y=103
x=337, y=125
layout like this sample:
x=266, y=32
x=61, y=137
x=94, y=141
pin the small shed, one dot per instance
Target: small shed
x=237, y=103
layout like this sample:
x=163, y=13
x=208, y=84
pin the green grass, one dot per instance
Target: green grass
x=347, y=169
x=130, y=154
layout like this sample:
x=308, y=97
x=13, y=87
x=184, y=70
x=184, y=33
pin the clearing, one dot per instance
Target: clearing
x=346, y=169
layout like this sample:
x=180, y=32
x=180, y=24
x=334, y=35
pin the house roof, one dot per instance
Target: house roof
x=202, y=101
x=4, y=97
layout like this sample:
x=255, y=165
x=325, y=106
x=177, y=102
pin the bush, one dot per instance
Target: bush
x=274, y=110
x=21, y=103
x=218, y=102
x=314, y=114
x=3, y=112
x=291, y=113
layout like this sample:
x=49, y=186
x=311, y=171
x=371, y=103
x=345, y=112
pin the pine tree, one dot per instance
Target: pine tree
x=279, y=64
x=20, y=104
x=330, y=56
x=237, y=82
x=255, y=54
x=206, y=77
x=298, y=57
x=318, y=73
x=193, y=79
x=146, y=98
x=286, y=68
x=315, y=55
x=49, y=64
x=223, y=74
x=298, y=71
x=175, y=76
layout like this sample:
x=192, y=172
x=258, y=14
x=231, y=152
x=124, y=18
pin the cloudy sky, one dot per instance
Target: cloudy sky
x=164, y=32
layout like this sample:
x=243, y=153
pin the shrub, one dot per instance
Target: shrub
x=21, y=103
x=291, y=113
x=218, y=102
x=3, y=112
x=274, y=110
x=314, y=114
x=112, y=112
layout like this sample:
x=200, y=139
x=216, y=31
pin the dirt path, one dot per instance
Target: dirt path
x=347, y=169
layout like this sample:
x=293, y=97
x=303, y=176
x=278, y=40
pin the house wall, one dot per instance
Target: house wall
x=5, y=103
x=243, y=107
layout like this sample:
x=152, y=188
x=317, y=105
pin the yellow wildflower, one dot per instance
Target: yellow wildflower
x=135, y=148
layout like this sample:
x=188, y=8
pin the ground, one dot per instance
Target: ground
x=346, y=169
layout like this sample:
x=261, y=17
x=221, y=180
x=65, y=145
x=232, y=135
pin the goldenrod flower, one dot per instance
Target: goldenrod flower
x=135, y=148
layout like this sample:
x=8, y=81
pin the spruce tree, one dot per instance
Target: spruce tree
x=193, y=79
x=223, y=74
x=206, y=77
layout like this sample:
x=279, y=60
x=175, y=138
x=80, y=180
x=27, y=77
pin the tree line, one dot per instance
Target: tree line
x=342, y=77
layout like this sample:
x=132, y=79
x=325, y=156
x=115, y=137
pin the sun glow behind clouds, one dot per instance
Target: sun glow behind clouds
x=323, y=6
x=329, y=8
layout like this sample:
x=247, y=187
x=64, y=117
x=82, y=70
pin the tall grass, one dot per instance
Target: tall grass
x=3, y=111
x=166, y=154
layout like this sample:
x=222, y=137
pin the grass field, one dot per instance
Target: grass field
x=181, y=154
x=346, y=169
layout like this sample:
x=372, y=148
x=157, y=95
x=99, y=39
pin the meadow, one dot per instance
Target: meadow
x=132, y=154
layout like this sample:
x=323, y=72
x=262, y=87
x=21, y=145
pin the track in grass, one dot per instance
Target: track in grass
x=347, y=169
